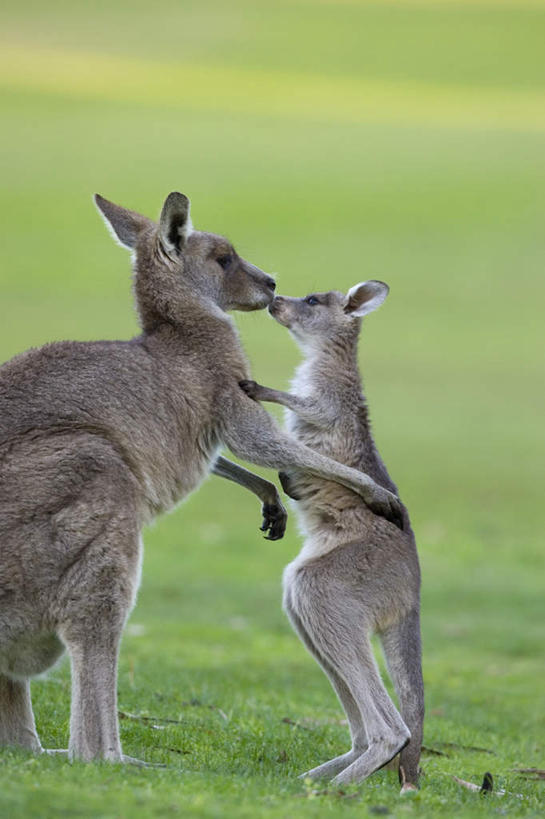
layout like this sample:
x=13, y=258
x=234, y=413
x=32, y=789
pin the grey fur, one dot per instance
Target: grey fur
x=98, y=438
x=357, y=573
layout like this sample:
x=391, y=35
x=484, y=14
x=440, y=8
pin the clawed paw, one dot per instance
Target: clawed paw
x=251, y=388
x=386, y=505
x=274, y=521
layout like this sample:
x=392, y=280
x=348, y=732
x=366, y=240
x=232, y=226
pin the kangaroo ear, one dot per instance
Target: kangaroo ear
x=365, y=297
x=175, y=221
x=124, y=225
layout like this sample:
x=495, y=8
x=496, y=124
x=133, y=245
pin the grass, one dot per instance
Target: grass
x=332, y=142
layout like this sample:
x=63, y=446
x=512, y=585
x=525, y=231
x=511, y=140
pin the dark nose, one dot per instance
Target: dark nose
x=271, y=284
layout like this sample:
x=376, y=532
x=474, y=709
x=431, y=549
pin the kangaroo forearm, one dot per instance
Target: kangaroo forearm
x=264, y=490
x=306, y=408
x=323, y=467
x=272, y=452
x=274, y=396
x=309, y=409
x=274, y=513
x=284, y=453
x=252, y=434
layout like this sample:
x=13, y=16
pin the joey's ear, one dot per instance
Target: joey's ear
x=123, y=224
x=365, y=297
x=175, y=222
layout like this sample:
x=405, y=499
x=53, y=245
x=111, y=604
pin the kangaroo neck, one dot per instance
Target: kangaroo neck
x=332, y=372
x=208, y=335
x=334, y=363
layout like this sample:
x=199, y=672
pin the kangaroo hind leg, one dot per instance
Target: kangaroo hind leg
x=386, y=731
x=337, y=625
x=402, y=649
x=357, y=730
x=17, y=726
x=95, y=600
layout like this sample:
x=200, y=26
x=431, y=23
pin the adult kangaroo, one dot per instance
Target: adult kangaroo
x=97, y=438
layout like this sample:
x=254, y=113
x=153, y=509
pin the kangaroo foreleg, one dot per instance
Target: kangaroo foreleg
x=251, y=433
x=309, y=409
x=274, y=513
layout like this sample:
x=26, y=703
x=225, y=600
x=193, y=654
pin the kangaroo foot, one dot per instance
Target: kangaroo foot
x=408, y=788
x=126, y=760
x=139, y=763
x=332, y=766
x=406, y=785
x=375, y=757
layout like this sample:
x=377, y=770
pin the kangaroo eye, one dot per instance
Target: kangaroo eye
x=312, y=300
x=224, y=261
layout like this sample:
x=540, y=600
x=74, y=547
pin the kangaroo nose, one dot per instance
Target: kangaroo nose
x=271, y=284
x=275, y=305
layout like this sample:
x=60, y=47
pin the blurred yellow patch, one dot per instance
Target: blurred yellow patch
x=429, y=3
x=267, y=93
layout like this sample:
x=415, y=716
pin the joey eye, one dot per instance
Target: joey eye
x=312, y=300
x=224, y=261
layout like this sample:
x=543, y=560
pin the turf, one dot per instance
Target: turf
x=333, y=142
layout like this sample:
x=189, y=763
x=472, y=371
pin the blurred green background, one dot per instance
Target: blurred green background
x=332, y=141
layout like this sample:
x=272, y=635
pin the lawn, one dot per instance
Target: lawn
x=332, y=142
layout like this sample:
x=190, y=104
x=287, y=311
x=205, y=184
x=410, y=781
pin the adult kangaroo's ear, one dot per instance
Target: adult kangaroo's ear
x=124, y=225
x=365, y=297
x=175, y=222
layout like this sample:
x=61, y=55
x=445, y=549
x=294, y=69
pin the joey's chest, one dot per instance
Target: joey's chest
x=338, y=439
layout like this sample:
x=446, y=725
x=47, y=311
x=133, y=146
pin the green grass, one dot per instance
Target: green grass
x=333, y=142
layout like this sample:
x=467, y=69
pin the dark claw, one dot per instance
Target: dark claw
x=398, y=517
x=393, y=514
x=391, y=510
x=274, y=521
x=249, y=387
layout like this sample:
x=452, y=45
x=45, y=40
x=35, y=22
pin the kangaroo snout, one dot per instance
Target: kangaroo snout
x=267, y=285
x=260, y=285
x=276, y=304
x=278, y=310
x=259, y=276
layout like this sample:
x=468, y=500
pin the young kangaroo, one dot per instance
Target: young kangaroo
x=356, y=573
x=97, y=438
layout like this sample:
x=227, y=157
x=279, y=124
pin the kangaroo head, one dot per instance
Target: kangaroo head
x=320, y=318
x=175, y=265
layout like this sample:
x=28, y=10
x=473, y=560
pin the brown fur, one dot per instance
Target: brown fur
x=97, y=438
